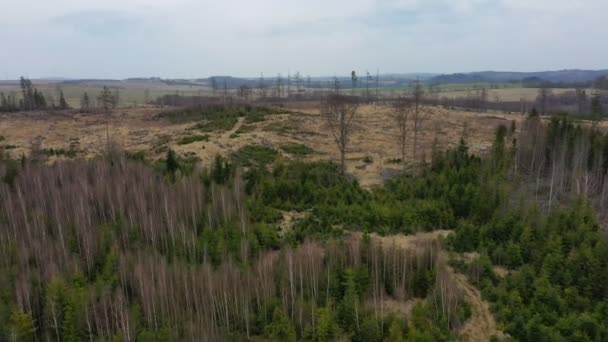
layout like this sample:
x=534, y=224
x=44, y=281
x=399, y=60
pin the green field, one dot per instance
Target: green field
x=131, y=93
x=135, y=93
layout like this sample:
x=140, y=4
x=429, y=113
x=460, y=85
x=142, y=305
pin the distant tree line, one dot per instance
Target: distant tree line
x=31, y=99
x=535, y=82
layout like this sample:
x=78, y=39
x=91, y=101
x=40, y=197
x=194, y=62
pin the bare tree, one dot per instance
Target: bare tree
x=225, y=92
x=377, y=82
x=288, y=84
x=402, y=108
x=418, y=114
x=262, y=87
x=107, y=101
x=279, y=89
x=339, y=112
x=543, y=98
x=298, y=81
x=337, y=86
x=483, y=99
x=581, y=100
x=368, y=78
x=116, y=101
x=146, y=96
x=244, y=92
x=214, y=85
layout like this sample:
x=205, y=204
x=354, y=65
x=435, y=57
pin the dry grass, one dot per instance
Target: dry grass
x=372, y=146
x=505, y=94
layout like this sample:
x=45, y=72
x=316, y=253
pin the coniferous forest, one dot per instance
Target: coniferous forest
x=119, y=248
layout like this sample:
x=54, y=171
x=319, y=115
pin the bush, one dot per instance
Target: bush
x=297, y=149
x=192, y=138
x=260, y=155
x=220, y=124
x=220, y=112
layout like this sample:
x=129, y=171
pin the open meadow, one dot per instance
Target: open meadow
x=371, y=156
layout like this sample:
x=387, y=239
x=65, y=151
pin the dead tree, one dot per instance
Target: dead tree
x=337, y=86
x=262, y=87
x=85, y=103
x=377, y=83
x=225, y=92
x=297, y=78
x=402, y=109
x=279, y=87
x=288, y=84
x=107, y=101
x=418, y=114
x=581, y=100
x=214, y=86
x=483, y=99
x=244, y=92
x=339, y=111
x=368, y=78
x=543, y=97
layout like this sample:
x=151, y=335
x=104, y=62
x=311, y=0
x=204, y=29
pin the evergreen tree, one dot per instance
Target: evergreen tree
x=171, y=163
x=281, y=328
x=21, y=326
x=106, y=100
x=62, y=102
x=85, y=103
x=395, y=331
x=348, y=310
x=72, y=316
x=596, y=105
x=369, y=331
x=327, y=327
x=3, y=103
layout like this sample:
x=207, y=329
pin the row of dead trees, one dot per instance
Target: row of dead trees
x=339, y=112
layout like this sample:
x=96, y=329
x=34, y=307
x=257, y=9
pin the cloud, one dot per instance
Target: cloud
x=192, y=38
x=100, y=24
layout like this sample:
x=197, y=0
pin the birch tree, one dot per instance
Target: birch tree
x=339, y=111
x=402, y=109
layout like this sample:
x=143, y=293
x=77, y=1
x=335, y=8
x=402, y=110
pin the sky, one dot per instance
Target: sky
x=201, y=38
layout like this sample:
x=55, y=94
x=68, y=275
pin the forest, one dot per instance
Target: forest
x=120, y=248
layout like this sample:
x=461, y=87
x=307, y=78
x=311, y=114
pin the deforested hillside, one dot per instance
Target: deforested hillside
x=256, y=246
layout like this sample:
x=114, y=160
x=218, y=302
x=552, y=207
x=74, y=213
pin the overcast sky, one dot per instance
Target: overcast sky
x=199, y=38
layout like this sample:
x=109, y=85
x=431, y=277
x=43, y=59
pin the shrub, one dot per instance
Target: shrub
x=192, y=138
x=297, y=149
x=255, y=154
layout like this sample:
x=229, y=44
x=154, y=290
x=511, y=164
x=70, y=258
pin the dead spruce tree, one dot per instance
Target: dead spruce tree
x=402, y=109
x=418, y=113
x=339, y=112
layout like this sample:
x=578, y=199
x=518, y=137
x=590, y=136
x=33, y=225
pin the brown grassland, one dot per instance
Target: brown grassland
x=371, y=154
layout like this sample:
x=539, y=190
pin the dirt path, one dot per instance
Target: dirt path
x=236, y=127
x=482, y=325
